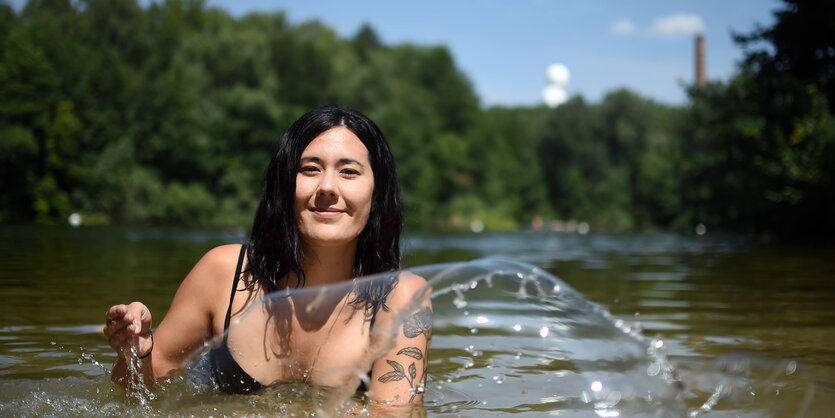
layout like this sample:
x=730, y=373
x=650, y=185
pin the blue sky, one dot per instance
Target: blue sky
x=505, y=46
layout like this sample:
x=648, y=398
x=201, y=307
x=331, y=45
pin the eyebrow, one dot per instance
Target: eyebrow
x=342, y=161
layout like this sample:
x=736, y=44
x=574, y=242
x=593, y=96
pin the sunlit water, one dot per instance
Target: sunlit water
x=657, y=326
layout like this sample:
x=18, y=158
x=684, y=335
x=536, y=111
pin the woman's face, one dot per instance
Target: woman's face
x=334, y=189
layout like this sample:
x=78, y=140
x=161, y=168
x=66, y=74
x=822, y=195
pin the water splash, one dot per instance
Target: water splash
x=508, y=337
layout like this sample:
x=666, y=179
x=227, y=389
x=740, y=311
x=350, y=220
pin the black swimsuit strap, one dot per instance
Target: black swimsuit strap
x=234, y=288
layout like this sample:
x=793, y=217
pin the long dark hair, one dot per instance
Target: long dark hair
x=275, y=248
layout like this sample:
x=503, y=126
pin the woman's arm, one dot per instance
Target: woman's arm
x=398, y=378
x=186, y=325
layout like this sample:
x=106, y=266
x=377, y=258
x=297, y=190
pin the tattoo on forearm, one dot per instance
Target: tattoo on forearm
x=399, y=372
x=415, y=325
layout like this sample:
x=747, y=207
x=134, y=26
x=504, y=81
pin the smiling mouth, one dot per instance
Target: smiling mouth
x=327, y=213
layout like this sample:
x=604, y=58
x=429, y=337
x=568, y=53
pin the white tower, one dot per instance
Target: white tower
x=554, y=93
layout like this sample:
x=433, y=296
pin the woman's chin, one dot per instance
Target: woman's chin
x=329, y=239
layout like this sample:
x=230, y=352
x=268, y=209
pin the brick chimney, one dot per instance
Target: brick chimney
x=700, y=60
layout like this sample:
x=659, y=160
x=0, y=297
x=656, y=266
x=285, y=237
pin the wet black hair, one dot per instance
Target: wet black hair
x=275, y=248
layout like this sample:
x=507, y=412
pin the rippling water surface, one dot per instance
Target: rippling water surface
x=559, y=324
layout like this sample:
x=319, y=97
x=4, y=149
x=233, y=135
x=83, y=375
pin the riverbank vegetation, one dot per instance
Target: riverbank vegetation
x=167, y=115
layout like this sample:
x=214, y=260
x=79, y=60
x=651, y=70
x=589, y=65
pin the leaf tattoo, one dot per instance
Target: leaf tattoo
x=412, y=352
x=419, y=323
x=390, y=377
x=398, y=373
x=394, y=375
x=396, y=365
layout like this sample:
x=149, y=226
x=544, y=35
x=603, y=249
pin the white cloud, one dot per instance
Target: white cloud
x=677, y=25
x=622, y=27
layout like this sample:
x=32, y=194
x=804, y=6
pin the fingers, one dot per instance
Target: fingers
x=121, y=340
x=115, y=312
x=142, y=319
x=125, y=321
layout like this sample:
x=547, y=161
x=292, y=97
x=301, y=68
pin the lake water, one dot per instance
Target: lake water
x=592, y=325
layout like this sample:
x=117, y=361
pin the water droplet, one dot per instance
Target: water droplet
x=499, y=379
x=557, y=288
x=473, y=284
x=659, y=343
x=791, y=367
x=473, y=331
x=459, y=300
x=481, y=319
x=544, y=332
x=597, y=386
x=653, y=369
x=518, y=355
x=613, y=398
x=517, y=327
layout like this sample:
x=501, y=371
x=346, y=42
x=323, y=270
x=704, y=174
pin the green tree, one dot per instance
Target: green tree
x=760, y=149
x=28, y=98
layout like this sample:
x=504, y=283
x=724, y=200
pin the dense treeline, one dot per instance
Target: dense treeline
x=167, y=115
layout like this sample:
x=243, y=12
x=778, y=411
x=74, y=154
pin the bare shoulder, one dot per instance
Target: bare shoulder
x=410, y=288
x=410, y=281
x=223, y=256
x=214, y=270
x=219, y=260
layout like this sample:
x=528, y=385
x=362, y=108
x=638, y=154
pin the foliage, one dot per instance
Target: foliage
x=760, y=148
x=167, y=113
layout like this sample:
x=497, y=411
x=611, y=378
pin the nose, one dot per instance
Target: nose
x=326, y=186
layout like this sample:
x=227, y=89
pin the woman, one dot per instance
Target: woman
x=343, y=221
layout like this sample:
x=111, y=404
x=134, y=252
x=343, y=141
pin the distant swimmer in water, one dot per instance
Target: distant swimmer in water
x=344, y=221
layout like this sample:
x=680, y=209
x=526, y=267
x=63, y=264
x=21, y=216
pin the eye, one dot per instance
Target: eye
x=349, y=172
x=309, y=169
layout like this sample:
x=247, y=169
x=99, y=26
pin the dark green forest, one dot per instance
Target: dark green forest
x=167, y=114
